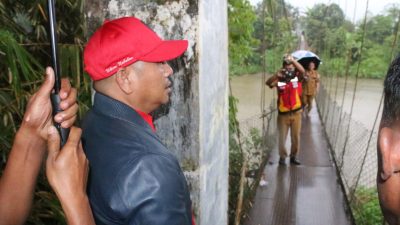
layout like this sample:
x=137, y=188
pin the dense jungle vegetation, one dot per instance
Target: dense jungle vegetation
x=327, y=30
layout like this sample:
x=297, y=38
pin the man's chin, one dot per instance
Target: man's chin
x=163, y=110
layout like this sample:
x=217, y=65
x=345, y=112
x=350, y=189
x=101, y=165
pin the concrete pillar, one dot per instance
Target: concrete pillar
x=195, y=124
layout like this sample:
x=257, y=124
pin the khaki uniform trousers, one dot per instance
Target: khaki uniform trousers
x=290, y=121
x=308, y=100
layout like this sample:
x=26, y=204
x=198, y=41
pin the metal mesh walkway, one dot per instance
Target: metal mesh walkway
x=308, y=194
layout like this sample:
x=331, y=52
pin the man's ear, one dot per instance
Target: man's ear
x=124, y=80
x=385, y=142
x=389, y=151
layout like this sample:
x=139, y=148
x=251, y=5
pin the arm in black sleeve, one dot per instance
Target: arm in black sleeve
x=156, y=192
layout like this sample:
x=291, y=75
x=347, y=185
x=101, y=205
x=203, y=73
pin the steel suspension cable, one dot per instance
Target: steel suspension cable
x=396, y=31
x=290, y=47
x=326, y=49
x=356, y=81
x=263, y=75
x=336, y=93
x=347, y=70
x=243, y=168
x=273, y=41
x=272, y=8
x=347, y=73
x=330, y=81
x=336, y=90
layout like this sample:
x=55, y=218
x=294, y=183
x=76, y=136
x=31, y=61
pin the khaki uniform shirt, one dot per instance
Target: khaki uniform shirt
x=310, y=85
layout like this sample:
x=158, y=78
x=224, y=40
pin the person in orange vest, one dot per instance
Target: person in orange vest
x=310, y=86
x=288, y=83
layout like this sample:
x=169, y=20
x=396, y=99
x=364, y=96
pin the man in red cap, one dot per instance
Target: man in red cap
x=134, y=178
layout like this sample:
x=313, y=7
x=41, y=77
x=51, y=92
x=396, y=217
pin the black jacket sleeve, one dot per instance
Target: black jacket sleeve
x=154, y=192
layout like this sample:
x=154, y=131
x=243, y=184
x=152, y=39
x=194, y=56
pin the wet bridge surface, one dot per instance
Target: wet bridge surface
x=308, y=194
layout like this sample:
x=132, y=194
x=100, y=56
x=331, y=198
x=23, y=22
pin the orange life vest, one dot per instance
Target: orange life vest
x=289, y=95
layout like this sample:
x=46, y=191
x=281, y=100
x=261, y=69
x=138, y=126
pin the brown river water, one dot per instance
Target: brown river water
x=247, y=88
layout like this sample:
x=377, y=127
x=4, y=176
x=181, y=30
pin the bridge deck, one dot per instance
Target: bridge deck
x=308, y=194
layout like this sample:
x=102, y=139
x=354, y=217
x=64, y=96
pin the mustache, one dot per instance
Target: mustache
x=163, y=110
x=171, y=82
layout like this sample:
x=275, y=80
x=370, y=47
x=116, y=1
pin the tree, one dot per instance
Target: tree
x=322, y=21
x=379, y=27
x=241, y=42
x=274, y=29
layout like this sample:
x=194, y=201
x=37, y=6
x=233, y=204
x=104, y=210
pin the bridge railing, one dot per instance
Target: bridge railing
x=257, y=138
x=353, y=147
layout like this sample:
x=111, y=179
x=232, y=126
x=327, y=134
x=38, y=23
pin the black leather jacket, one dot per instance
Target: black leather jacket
x=133, y=179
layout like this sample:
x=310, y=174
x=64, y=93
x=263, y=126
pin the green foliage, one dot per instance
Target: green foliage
x=271, y=36
x=379, y=27
x=366, y=207
x=241, y=42
x=242, y=148
x=324, y=27
x=336, y=39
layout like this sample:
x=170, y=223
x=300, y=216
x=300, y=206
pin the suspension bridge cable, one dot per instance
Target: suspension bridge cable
x=344, y=91
x=289, y=27
x=271, y=5
x=396, y=34
x=356, y=81
x=347, y=73
x=335, y=64
x=336, y=88
x=263, y=76
x=336, y=93
x=325, y=50
x=347, y=70
x=396, y=30
x=330, y=90
x=322, y=48
x=243, y=168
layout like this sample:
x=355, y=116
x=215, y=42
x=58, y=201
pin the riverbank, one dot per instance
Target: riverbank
x=247, y=89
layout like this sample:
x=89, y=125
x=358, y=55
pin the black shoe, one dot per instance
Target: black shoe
x=294, y=160
x=282, y=161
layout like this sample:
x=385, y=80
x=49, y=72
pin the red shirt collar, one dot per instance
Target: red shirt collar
x=147, y=118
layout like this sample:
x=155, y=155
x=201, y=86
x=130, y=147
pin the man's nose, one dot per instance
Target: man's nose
x=168, y=70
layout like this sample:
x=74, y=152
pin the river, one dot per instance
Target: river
x=247, y=89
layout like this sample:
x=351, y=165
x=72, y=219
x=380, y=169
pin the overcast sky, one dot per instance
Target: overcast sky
x=348, y=6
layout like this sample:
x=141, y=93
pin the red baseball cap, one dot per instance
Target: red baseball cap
x=121, y=42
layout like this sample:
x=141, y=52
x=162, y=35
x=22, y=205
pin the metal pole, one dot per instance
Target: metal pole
x=55, y=98
x=54, y=42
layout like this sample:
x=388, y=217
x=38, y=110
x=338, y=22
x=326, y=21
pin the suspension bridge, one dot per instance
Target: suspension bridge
x=306, y=194
x=335, y=184
x=336, y=179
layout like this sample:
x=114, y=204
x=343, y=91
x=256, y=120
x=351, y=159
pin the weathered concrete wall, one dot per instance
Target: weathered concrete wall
x=171, y=20
x=194, y=125
x=213, y=83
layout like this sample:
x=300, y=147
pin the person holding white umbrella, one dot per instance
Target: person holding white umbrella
x=310, y=61
x=310, y=86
